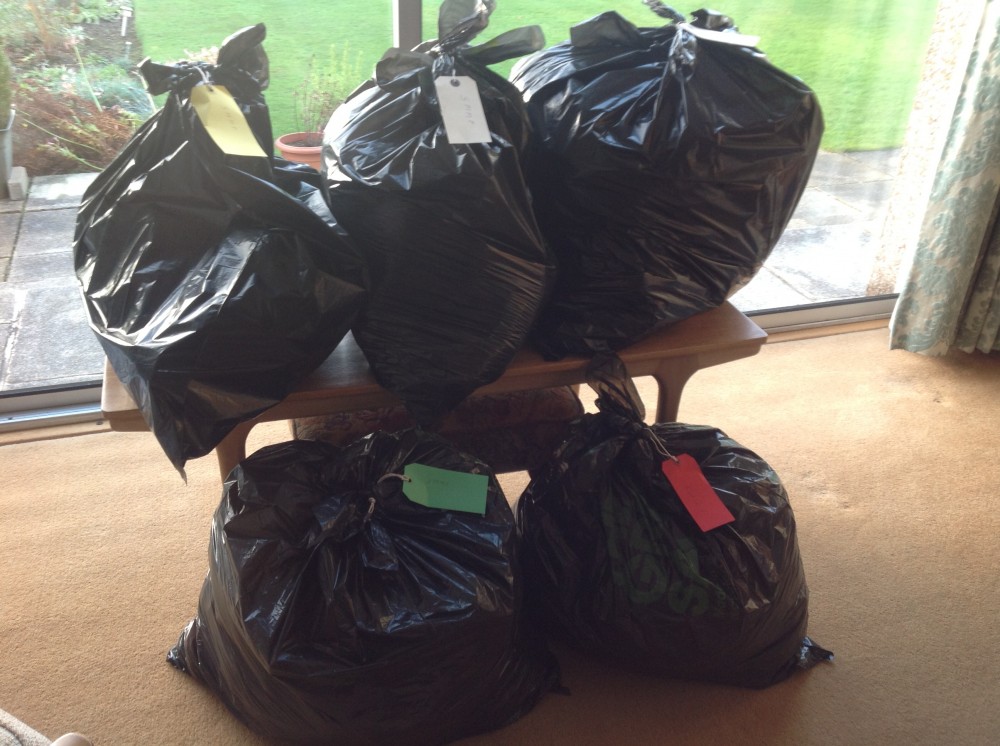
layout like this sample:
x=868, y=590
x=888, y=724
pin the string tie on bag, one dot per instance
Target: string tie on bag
x=373, y=501
x=660, y=448
x=204, y=78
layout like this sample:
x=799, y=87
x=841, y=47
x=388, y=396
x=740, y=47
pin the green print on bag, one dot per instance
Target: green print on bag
x=651, y=563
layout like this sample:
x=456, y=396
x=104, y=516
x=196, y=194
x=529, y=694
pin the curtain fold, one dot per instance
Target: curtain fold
x=951, y=296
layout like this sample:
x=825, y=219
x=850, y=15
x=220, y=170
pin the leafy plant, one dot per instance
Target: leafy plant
x=74, y=42
x=324, y=88
x=115, y=88
x=93, y=11
x=76, y=118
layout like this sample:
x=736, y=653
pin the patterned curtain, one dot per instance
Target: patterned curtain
x=952, y=295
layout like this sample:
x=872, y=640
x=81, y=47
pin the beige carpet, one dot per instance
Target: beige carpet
x=890, y=459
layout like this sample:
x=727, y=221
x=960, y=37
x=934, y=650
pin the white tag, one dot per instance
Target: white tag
x=462, y=110
x=726, y=37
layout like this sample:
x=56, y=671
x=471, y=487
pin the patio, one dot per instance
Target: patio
x=826, y=253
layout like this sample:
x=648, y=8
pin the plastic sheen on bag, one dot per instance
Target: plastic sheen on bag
x=338, y=610
x=617, y=565
x=211, y=284
x=458, y=267
x=666, y=163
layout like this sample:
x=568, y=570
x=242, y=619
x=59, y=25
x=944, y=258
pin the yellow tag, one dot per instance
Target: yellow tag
x=224, y=121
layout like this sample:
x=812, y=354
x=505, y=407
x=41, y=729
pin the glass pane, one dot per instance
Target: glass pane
x=862, y=58
x=343, y=39
x=46, y=344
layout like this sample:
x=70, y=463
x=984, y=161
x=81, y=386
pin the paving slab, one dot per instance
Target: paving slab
x=46, y=231
x=765, y=291
x=5, y=330
x=54, y=192
x=8, y=295
x=828, y=262
x=818, y=207
x=867, y=198
x=11, y=205
x=54, y=267
x=54, y=344
x=887, y=161
x=9, y=222
x=838, y=168
x=8, y=317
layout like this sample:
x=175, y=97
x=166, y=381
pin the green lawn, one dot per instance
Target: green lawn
x=862, y=58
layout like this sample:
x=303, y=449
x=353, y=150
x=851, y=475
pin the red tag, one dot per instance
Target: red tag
x=696, y=493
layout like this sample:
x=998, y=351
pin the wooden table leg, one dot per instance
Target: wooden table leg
x=670, y=379
x=233, y=448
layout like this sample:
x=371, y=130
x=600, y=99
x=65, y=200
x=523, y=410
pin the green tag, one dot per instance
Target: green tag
x=446, y=490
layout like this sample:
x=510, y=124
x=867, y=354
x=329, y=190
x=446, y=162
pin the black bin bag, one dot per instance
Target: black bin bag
x=458, y=267
x=666, y=163
x=618, y=567
x=338, y=611
x=210, y=282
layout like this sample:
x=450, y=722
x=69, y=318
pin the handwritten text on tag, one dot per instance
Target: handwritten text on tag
x=462, y=110
x=445, y=489
x=223, y=120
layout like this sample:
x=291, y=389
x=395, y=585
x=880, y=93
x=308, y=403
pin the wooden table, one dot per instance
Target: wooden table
x=344, y=383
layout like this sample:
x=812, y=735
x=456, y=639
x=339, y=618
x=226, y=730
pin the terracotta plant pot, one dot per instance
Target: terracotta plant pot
x=301, y=147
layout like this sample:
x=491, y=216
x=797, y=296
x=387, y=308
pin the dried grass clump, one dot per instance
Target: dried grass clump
x=67, y=134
